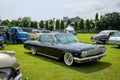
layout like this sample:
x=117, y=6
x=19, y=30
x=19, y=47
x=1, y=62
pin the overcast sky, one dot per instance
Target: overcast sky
x=48, y=9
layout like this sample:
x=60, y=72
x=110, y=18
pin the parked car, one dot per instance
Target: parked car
x=27, y=29
x=21, y=35
x=71, y=31
x=2, y=28
x=1, y=43
x=103, y=36
x=65, y=46
x=35, y=33
x=115, y=39
x=9, y=66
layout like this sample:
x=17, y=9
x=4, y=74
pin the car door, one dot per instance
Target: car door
x=118, y=38
x=48, y=45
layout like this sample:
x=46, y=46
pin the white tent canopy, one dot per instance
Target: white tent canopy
x=69, y=28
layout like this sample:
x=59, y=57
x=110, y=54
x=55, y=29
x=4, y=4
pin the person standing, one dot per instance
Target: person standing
x=14, y=37
x=7, y=36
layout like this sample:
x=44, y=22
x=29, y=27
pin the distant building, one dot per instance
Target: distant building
x=75, y=19
x=65, y=19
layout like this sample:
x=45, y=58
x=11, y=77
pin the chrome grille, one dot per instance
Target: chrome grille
x=94, y=51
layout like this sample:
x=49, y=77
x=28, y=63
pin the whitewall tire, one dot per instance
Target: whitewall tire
x=33, y=50
x=68, y=59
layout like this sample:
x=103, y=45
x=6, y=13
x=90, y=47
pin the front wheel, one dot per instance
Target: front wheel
x=68, y=59
x=33, y=50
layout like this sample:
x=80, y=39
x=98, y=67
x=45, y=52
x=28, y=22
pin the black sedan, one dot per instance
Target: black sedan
x=65, y=46
x=103, y=36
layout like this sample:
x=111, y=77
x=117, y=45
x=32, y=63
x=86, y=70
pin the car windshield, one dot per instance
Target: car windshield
x=116, y=35
x=20, y=30
x=66, y=38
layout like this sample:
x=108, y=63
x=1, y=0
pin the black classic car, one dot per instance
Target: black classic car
x=103, y=36
x=65, y=46
x=9, y=66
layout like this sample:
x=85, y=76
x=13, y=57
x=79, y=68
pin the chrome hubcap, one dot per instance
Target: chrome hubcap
x=68, y=59
x=33, y=50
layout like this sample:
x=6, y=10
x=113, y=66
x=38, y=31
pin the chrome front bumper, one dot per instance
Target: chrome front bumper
x=18, y=77
x=87, y=59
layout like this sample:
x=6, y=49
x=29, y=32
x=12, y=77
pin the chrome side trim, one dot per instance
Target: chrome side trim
x=47, y=55
x=87, y=58
x=18, y=77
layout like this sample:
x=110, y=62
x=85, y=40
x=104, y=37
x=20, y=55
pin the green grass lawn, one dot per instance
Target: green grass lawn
x=43, y=68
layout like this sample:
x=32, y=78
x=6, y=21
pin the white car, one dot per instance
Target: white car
x=35, y=33
x=115, y=39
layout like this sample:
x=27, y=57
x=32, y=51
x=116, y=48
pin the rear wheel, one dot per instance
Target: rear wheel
x=105, y=42
x=33, y=50
x=68, y=59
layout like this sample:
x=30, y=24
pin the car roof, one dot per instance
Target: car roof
x=110, y=31
x=54, y=33
x=15, y=27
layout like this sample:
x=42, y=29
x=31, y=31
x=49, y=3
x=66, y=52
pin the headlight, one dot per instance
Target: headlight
x=103, y=50
x=5, y=74
x=84, y=53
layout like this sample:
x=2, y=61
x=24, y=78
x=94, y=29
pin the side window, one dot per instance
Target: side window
x=46, y=38
x=13, y=30
x=112, y=33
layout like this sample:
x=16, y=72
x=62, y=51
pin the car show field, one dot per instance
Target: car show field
x=37, y=67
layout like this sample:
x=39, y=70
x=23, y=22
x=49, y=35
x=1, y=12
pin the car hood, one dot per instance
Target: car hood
x=8, y=61
x=24, y=33
x=99, y=36
x=80, y=46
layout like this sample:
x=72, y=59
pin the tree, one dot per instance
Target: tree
x=24, y=22
x=62, y=25
x=51, y=25
x=109, y=21
x=41, y=24
x=14, y=23
x=96, y=17
x=98, y=26
x=46, y=25
x=58, y=24
x=34, y=24
x=68, y=22
x=5, y=23
x=92, y=24
x=76, y=25
x=20, y=22
x=88, y=26
x=81, y=25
